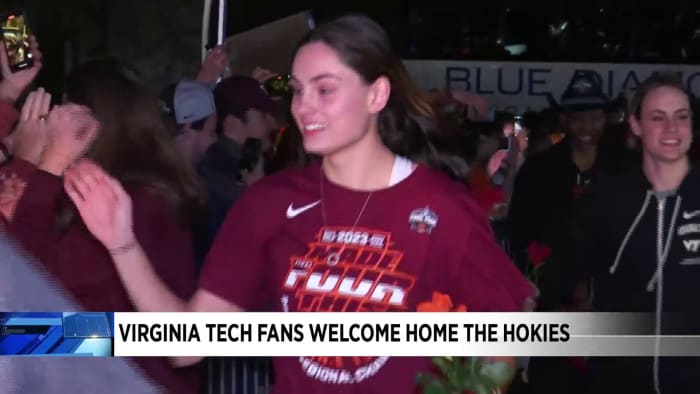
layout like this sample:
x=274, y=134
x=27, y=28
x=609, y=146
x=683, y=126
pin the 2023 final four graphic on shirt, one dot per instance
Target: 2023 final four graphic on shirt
x=346, y=270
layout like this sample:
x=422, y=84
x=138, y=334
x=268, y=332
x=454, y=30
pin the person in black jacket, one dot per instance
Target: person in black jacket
x=638, y=239
x=542, y=210
x=549, y=183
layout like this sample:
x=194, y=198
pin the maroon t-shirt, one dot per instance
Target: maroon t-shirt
x=421, y=235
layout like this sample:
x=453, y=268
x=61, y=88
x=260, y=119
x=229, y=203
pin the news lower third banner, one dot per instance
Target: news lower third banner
x=402, y=334
x=252, y=334
x=64, y=334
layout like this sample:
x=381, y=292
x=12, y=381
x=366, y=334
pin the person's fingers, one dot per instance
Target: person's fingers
x=72, y=189
x=36, y=106
x=45, y=105
x=105, y=188
x=28, y=107
x=80, y=184
x=88, y=168
x=102, y=181
x=118, y=190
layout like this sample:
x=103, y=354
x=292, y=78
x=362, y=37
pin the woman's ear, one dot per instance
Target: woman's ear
x=379, y=93
x=634, y=126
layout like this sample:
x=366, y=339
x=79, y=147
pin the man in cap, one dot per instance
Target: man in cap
x=245, y=125
x=190, y=105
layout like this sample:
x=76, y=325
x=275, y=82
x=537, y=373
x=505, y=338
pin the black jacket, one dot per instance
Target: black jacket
x=543, y=196
x=642, y=249
x=543, y=208
x=219, y=171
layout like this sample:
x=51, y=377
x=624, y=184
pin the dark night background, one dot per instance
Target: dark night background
x=162, y=38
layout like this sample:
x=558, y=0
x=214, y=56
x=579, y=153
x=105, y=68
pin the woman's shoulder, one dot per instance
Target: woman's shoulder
x=282, y=183
x=451, y=196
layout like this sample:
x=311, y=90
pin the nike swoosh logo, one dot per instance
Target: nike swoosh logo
x=294, y=212
x=690, y=215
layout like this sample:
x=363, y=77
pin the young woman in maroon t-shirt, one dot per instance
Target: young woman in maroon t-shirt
x=375, y=226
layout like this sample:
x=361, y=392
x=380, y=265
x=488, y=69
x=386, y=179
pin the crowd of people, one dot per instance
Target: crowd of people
x=211, y=196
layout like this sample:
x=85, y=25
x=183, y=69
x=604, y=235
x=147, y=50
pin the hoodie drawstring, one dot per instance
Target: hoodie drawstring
x=661, y=248
x=616, y=263
x=662, y=254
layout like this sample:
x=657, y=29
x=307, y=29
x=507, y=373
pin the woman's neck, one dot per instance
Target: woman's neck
x=365, y=166
x=665, y=176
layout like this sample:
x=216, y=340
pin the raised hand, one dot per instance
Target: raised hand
x=496, y=161
x=30, y=137
x=71, y=131
x=103, y=204
x=14, y=84
x=214, y=65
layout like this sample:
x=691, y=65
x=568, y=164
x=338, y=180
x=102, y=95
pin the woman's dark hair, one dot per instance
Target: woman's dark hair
x=657, y=80
x=408, y=125
x=133, y=143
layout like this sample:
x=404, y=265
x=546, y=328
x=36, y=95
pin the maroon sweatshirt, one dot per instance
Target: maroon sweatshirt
x=84, y=267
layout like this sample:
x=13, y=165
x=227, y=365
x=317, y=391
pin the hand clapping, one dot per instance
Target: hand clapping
x=71, y=131
x=103, y=204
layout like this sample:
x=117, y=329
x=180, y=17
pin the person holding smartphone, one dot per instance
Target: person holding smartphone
x=245, y=123
x=13, y=84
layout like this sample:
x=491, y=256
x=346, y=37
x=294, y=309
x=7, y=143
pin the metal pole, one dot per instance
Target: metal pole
x=221, y=27
x=205, y=27
x=222, y=22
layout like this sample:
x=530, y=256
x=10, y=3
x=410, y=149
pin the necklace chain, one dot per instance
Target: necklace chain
x=323, y=205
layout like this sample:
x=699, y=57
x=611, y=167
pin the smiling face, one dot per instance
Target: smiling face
x=664, y=125
x=585, y=127
x=332, y=105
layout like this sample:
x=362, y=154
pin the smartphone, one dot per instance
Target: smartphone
x=15, y=37
x=517, y=124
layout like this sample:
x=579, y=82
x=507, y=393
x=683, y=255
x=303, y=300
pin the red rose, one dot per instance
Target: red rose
x=579, y=363
x=538, y=253
x=440, y=303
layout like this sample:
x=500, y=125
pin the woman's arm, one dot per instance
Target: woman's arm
x=106, y=210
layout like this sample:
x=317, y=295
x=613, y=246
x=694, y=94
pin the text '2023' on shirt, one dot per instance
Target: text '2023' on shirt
x=423, y=234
